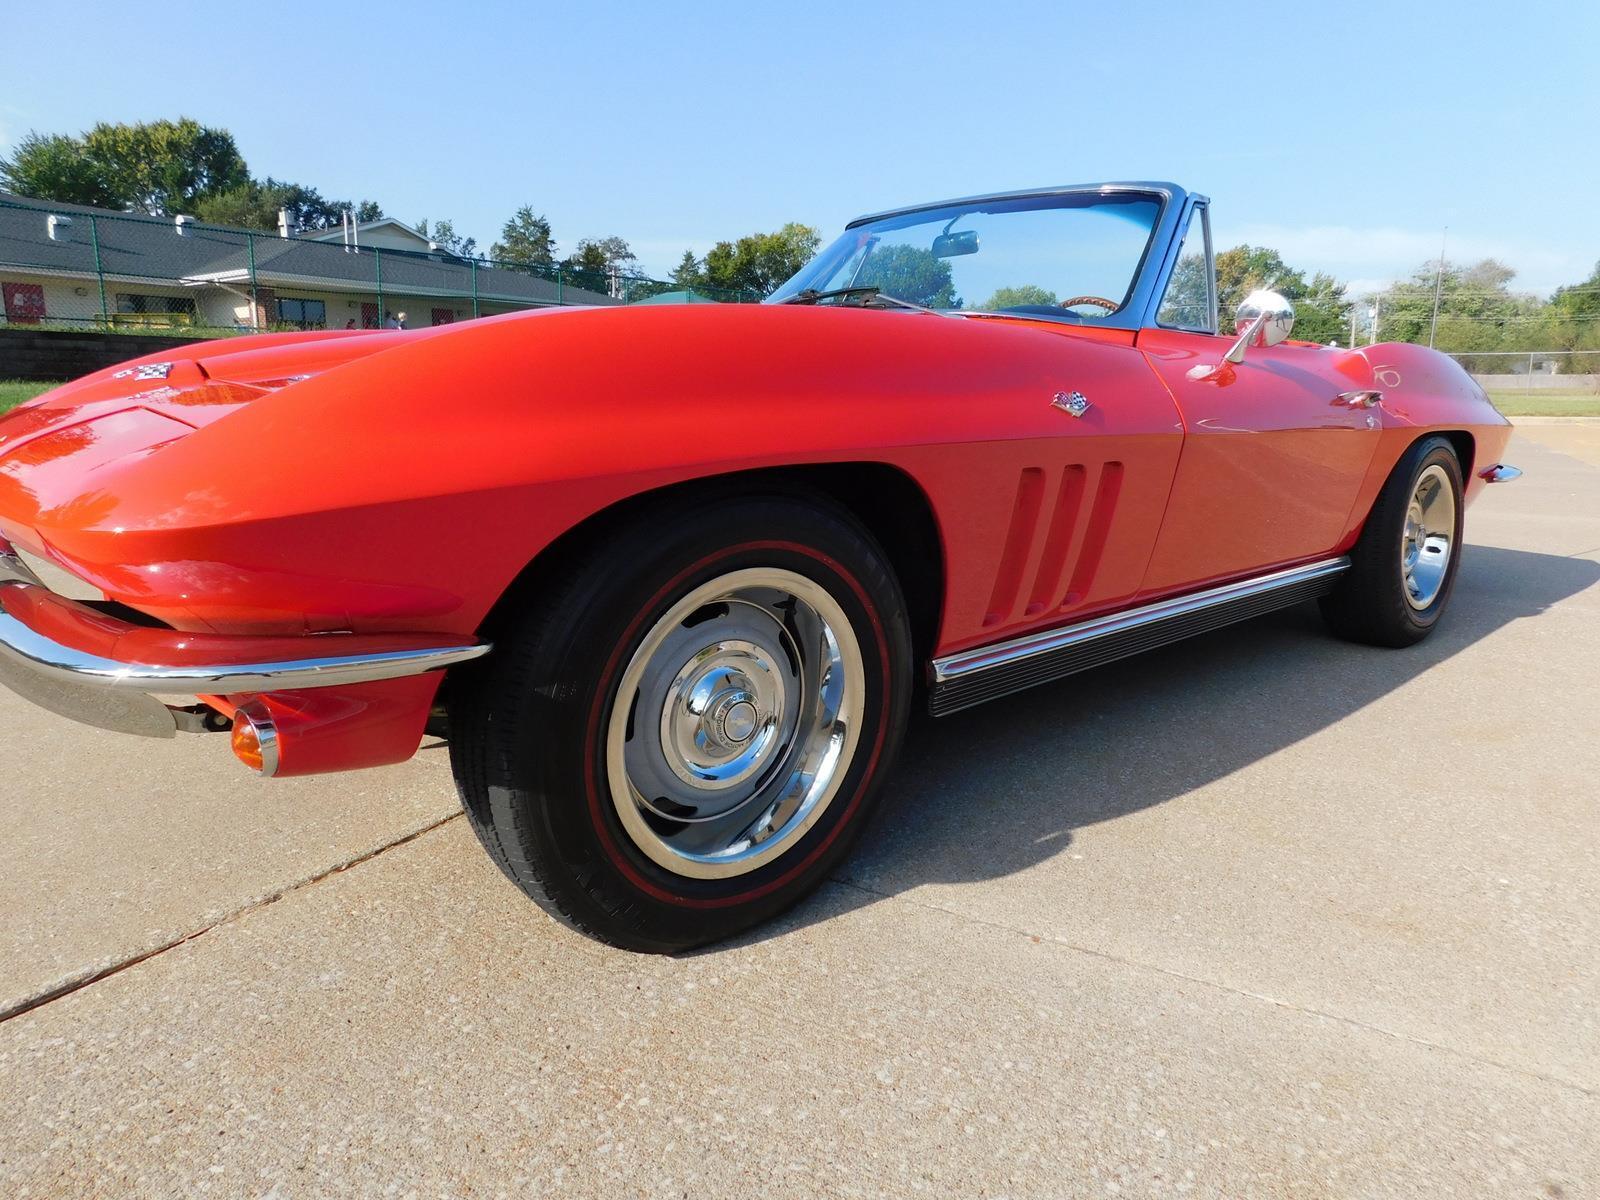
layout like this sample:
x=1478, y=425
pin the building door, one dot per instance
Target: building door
x=24, y=302
x=369, y=314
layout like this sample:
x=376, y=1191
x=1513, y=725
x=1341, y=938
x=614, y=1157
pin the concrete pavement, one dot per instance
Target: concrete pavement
x=1263, y=914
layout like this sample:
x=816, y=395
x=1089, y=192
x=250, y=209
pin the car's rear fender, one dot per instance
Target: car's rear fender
x=1426, y=393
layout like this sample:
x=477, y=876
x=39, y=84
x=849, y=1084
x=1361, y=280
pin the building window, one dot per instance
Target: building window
x=139, y=309
x=305, y=314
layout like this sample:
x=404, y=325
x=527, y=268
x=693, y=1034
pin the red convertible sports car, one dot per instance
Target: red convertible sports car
x=669, y=578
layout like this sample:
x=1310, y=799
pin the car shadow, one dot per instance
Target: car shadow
x=997, y=789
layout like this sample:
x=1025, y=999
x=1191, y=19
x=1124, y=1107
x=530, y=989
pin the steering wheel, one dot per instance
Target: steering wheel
x=1098, y=301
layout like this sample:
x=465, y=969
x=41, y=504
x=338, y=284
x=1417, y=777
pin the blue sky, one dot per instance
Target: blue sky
x=1346, y=135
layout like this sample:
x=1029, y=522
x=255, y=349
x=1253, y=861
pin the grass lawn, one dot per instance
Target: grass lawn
x=14, y=391
x=1546, y=404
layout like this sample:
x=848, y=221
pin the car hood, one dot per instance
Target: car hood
x=87, y=424
x=63, y=448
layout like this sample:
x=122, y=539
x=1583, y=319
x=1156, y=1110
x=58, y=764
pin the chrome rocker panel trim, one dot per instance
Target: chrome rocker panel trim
x=988, y=672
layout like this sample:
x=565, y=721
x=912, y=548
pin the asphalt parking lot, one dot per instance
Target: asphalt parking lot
x=1260, y=915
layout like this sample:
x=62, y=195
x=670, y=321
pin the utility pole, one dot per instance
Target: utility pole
x=1438, y=286
x=1377, y=308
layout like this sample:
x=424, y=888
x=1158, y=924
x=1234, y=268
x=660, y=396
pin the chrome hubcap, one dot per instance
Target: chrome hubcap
x=721, y=714
x=734, y=723
x=1428, y=538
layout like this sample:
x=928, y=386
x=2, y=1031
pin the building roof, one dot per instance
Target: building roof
x=336, y=233
x=129, y=245
x=134, y=246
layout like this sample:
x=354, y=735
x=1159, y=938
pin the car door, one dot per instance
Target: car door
x=1272, y=457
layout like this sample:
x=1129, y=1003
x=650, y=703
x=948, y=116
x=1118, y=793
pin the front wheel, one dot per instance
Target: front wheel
x=685, y=734
x=1404, y=564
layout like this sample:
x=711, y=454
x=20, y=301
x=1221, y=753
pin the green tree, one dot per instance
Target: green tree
x=759, y=262
x=156, y=167
x=1021, y=296
x=1185, y=303
x=1322, y=311
x=56, y=167
x=525, y=240
x=444, y=235
x=615, y=251
x=585, y=267
x=910, y=273
x=688, y=274
x=1581, y=299
x=1572, y=322
x=368, y=210
x=256, y=204
x=597, y=261
x=1478, y=311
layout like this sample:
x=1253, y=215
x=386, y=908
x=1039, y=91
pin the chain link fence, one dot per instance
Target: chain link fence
x=72, y=267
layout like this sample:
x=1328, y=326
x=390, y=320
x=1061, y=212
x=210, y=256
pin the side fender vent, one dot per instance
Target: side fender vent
x=1019, y=546
x=1072, y=543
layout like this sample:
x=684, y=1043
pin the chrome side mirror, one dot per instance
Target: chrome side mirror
x=1263, y=319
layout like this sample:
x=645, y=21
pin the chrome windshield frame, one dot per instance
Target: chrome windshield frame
x=1193, y=206
x=1154, y=266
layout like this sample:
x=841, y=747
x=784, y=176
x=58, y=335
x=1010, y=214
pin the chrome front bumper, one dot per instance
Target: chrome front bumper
x=101, y=670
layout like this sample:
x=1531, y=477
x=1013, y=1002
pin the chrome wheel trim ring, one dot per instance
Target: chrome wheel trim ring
x=1427, y=539
x=735, y=722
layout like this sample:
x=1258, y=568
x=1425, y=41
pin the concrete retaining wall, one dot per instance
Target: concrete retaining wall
x=1539, y=383
x=50, y=354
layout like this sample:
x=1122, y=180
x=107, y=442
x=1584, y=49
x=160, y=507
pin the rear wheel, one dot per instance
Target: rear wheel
x=1404, y=564
x=686, y=734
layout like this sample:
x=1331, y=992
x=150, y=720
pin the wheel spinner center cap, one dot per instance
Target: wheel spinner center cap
x=721, y=715
x=739, y=721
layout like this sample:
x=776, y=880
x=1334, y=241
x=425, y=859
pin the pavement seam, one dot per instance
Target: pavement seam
x=1530, y=1072
x=68, y=987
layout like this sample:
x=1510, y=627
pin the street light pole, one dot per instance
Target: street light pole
x=1438, y=286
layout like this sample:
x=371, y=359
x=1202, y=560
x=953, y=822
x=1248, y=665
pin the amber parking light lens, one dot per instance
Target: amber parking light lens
x=255, y=740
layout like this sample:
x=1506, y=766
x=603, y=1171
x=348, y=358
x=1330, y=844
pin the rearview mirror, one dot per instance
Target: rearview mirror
x=953, y=245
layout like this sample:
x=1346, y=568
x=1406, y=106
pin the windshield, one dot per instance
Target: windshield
x=1074, y=255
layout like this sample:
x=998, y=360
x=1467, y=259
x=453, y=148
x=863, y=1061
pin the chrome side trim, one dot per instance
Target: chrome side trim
x=1501, y=473
x=972, y=676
